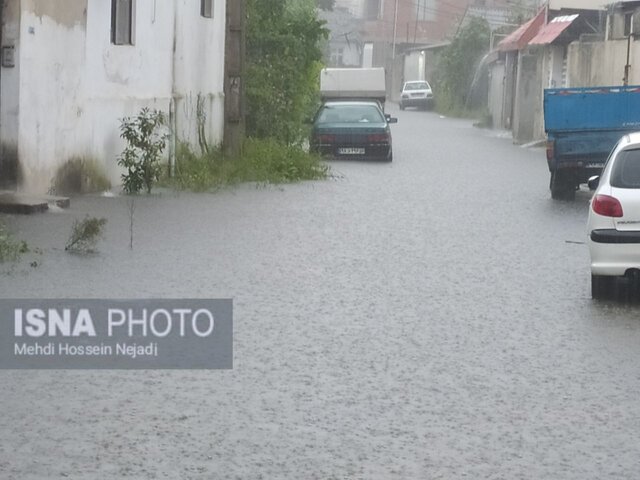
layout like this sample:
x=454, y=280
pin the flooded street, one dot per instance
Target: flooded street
x=428, y=318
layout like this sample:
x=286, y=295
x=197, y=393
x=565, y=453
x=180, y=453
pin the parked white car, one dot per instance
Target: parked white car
x=614, y=218
x=416, y=94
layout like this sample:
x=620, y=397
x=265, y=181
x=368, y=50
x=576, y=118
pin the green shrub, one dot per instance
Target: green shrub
x=146, y=141
x=271, y=162
x=85, y=235
x=457, y=65
x=10, y=248
x=284, y=55
x=264, y=161
x=80, y=175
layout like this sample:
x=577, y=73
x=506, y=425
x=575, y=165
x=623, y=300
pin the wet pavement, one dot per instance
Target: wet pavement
x=429, y=318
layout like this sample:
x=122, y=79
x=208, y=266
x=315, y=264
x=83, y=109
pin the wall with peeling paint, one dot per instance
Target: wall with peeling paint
x=9, y=94
x=74, y=85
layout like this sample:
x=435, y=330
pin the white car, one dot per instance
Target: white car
x=416, y=94
x=614, y=218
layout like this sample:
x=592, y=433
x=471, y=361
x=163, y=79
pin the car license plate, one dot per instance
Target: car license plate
x=593, y=165
x=351, y=151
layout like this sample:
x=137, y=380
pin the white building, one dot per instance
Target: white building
x=70, y=70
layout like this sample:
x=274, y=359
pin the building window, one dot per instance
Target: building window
x=122, y=22
x=426, y=10
x=337, y=57
x=628, y=17
x=372, y=10
x=206, y=8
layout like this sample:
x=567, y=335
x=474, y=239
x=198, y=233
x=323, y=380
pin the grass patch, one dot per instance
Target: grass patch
x=10, y=248
x=262, y=161
x=80, y=175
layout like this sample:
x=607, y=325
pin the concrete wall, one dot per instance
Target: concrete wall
x=9, y=96
x=414, y=66
x=75, y=85
x=602, y=63
x=579, y=4
x=528, y=107
x=198, y=69
x=497, y=80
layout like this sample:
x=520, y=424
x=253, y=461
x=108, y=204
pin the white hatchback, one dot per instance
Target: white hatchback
x=614, y=218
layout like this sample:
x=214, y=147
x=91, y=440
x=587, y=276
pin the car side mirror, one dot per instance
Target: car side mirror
x=593, y=182
x=392, y=120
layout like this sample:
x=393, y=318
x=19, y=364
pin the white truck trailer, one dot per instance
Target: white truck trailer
x=353, y=84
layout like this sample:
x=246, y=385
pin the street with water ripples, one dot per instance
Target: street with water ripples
x=428, y=318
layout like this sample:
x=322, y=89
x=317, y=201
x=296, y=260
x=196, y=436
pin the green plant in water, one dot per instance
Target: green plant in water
x=85, y=235
x=146, y=141
x=265, y=161
x=10, y=248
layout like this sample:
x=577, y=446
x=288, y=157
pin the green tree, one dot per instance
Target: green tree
x=283, y=63
x=458, y=63
x=145, y=143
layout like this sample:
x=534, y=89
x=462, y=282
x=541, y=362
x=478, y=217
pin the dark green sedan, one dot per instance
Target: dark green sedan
x=352, y=130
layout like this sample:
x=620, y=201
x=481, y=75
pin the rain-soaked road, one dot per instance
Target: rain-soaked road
x=426, y=319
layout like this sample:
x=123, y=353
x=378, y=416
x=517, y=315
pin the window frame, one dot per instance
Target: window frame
x=118, y=37
x=207, y=8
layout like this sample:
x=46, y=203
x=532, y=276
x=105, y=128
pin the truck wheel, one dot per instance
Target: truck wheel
x=562, y=187
x=601, y=286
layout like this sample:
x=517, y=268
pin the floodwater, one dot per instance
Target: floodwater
x=429, y=318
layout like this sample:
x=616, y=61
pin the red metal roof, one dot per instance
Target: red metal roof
x=519, y=39
x=552, y=30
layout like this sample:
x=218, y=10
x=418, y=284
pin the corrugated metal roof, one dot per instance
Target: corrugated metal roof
x=552, y=30
x=523, y=34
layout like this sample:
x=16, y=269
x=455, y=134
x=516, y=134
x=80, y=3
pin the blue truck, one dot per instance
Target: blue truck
x=583, y=125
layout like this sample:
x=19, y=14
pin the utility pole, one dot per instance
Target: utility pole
x=235, y=77
x=627, y=67
x=395, y=31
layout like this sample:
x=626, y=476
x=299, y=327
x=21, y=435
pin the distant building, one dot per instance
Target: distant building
x=345, y=45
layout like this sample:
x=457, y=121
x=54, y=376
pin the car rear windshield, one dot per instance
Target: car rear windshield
x=350, y=114
x=417, y=86
x=626, y=170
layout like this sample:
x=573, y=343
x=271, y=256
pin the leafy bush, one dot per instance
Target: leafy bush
x=145, y=144
x=272, y=162
x=10, y=248
x=80, y=175
x=263, y=160
x=85, y=235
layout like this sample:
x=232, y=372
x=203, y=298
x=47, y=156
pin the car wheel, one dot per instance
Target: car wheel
x=601, y=286
x=562, y=188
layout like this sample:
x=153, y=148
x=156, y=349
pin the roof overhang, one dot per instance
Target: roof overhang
x=521, y=37
x=552, y=30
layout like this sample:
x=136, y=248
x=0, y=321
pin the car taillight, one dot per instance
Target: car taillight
x=378, y=138
x=551, y=147
x=606, y=206
x=324, y=138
